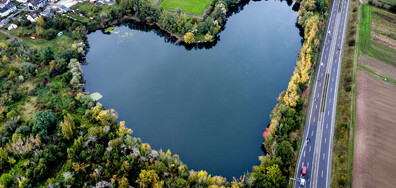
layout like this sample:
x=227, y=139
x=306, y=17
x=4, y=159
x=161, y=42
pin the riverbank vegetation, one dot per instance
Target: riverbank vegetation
x=54, y=134
x=288, y=115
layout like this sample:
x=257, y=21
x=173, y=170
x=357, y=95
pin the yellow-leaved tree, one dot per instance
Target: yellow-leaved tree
x=189, y=38
x=67, y=127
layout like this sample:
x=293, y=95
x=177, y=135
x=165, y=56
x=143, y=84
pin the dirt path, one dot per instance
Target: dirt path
x=6, y=33
x=375, y=133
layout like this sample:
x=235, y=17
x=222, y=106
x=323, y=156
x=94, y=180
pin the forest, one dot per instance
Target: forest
x=54, y=135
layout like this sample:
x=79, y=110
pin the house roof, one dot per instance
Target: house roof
x=35, y=2
x=34, y=15
x=3, y=1
x=8, y=6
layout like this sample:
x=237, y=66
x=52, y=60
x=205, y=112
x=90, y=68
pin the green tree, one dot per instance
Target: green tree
x=46, y=54
x=6, y=180
x=67, y=127
x=40, y=21
x=43, y=121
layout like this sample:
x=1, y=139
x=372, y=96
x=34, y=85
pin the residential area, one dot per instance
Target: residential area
x=31, y=10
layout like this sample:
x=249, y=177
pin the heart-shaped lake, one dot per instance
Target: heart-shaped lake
x=209, y=106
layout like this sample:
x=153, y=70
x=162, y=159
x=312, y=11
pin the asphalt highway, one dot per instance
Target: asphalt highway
x=317, y=145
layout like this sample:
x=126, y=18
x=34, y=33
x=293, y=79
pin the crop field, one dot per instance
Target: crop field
x=375, y=131
x=377, y=34
x=375, y=143
x=196, y=7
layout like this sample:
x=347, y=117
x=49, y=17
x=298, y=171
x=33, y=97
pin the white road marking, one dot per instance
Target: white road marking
x=324, y=155
x=308, y=165
x=316, y=106
x=304, y=154
x=322, y=173
x=325, y=140
x=314, y=120
x=331, y=89
x=309, y=148
x=327, y=125
x=312, y=133
x=328, y=112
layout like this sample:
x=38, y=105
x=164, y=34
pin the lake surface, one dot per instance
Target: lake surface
x=209, y=106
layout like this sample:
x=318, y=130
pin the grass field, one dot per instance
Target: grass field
x=196, y=7
x=59, y=43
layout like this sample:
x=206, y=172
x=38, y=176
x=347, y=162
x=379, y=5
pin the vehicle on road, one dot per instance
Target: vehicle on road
x=303, y=173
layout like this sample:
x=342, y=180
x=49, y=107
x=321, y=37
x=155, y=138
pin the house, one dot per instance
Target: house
x=8, y=9
x=62, y=9
x=47, y=14
x=36, y=4
x=33, y=16
x=12, y=26
x=21, y=1
x=3, y=3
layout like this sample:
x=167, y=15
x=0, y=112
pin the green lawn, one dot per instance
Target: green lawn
x=188, y=6
x=58, y=43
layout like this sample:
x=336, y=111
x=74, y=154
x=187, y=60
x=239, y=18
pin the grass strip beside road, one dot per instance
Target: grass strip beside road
x=342, y=159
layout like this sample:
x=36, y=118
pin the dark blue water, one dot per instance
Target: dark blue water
x=209, y=106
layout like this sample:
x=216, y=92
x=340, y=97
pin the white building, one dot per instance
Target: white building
x=12, y=26
x=8, y=9
x=3, y=3
x=21, y=1
x=33, y=16
x=35, y=5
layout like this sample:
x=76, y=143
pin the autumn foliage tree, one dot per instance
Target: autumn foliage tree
x=67, y=127
x=189, y=38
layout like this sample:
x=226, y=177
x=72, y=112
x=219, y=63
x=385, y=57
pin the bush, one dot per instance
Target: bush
x=393, y=8
x=43, y=121
x=24, y=129
x=348, y=88
x=49, y=34
x=342, y=180
x=352, y=42
x=12, y=114
x=6, y=180
x=348, y=79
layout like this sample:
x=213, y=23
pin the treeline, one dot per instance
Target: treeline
x=287, y=116
x=192, y=28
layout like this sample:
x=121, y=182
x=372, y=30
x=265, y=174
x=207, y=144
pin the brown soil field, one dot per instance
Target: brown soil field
x=374, y=163
x=378, y=66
